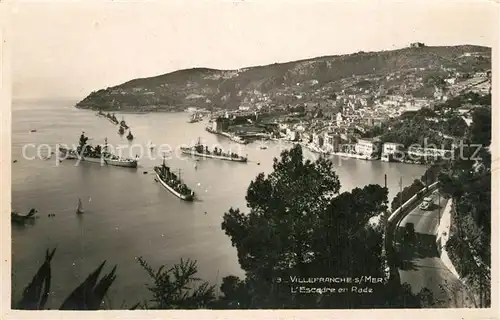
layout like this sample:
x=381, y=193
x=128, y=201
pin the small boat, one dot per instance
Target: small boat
x=130, y=137
x=112, y=118
x=195, y=117
x=21, y=219
x=79, y=207
x=123, y=123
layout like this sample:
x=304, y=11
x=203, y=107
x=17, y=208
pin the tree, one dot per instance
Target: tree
x=174, y=288
x=480, y=130
x=300, y=226
x=235, y=293
x=406, y=194
x=470, y=188
x=282, y=209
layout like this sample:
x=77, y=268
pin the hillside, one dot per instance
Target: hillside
x=310, y=80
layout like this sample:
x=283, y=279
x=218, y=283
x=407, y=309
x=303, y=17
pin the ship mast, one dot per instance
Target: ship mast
x=163, y=167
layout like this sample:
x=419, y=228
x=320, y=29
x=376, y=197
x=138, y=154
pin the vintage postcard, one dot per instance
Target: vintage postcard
x=315, y=158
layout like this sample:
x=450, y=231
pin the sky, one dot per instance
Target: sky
x=70, y=48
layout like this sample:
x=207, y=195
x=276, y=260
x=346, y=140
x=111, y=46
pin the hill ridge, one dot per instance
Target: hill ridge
x=209, y=87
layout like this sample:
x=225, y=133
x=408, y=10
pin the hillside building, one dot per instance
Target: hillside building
x=332, y=142
x=368, y=147
x=390, y=150
x=317, y=140
x=415, y=151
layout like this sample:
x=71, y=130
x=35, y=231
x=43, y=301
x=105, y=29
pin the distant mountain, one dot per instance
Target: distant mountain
x=309, y=80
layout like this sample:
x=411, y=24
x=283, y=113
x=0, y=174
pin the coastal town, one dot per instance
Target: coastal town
x=356, y=121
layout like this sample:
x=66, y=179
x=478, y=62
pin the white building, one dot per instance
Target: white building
x=331, y=142
x=426, y=152
x=339, y=119
x=306, y=137
x=468, y=120
x=366, y=147
x=391, y=103
x=292, y=134
x=328, y=141
x=389, y=149
x=283, y=126
x=318, y=140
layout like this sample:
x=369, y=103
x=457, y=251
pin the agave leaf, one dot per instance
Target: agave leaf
x=35, y=295
x=83, y=295
x=102, y=288
x=135, y=306
x=45, y=296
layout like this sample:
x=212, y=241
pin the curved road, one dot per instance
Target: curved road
x=421, y=266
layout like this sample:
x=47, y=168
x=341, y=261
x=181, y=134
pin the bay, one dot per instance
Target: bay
x=128, y=214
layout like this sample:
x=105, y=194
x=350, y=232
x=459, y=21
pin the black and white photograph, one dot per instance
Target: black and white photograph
x=231, y=156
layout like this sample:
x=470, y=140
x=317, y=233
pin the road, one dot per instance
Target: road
x=421, y=266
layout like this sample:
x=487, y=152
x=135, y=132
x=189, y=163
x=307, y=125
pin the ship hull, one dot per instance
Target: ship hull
x=108, y=118
x=175, y=193
x=110, y=162
x=112, y=121
x=15, y=217
x=203, y=155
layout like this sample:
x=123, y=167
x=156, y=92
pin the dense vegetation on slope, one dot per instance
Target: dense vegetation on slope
x=430, y=127
x=202, y=87
x=468, y=181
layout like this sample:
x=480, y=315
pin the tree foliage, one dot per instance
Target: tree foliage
x=468, y=182
x=175, y=287
x=298, y=225
x=405, y=195
x=480, y=131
